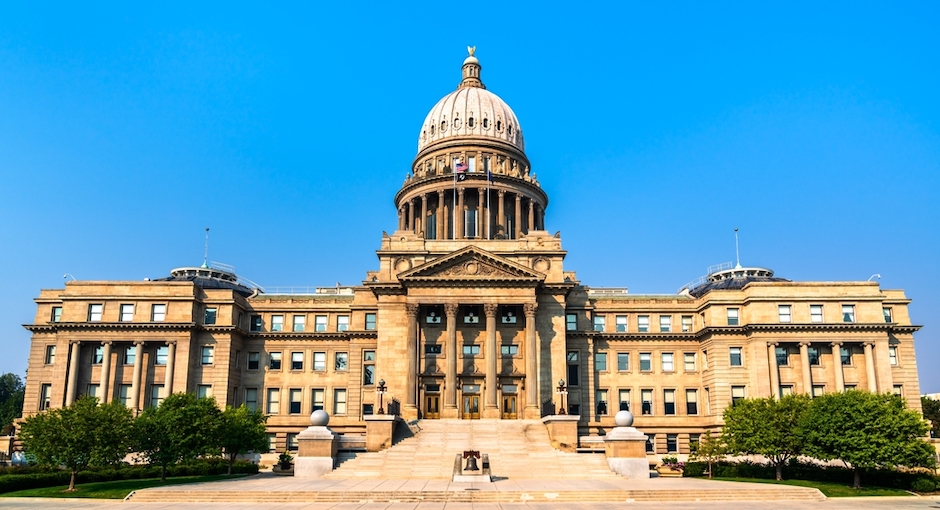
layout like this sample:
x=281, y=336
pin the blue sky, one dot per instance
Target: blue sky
x=125, y=130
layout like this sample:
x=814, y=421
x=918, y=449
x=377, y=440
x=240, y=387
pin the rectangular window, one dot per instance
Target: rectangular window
x=156, y=395
x=433, y=349
x=158, y=313
x=783, y=313
x=317, y=398
x=646, y=362
x=651, y=443
x=342, y=323
x=50, y=354
x=320, y=323
x=295, y=395
x=813, y=354
x=471, y=222
x=850, y=387
x=94, y=312
x=339, y=401
x=124, y=394
x=816, y=313
x=211, y=315
x=668, y=363
x=786, y=389
x=297, y=361
x=340, y=361
x=299, y=322
x=783, y=356
x=471, y=315
x=737, y=393
x=471, y=350
x=688, y=361
x=274, y=361
x=898, y=390
x=251, y=398
x=274, y=401
x=893, y=355
x=643, y=323
x=208, y=355
x=574, y=369
x=818, y=391
x=733, y=316
x=686, y=323
x=56, y=313
x=368, y=368
x=669, y=402
x=621, y=323
x=254, y=360
x=600, y=399
x=599, y=322
x=571, y=322
x=130, y=355
x=277, y=323
x=370, y=322
x=319, y=361
x=693, y=441
x=848, y=313
x=672, y=443
x=600, y=361
x=665, y=323
x=691, y=402
x=45, y=397
x=292, y=443
x=161, y=354
x=735, y=353
x=509, y=350
x=647, y=398
x=98, y=355
x=254, y=323
x=846, y=353
x=433, y=315
x=885, y=311
x=203, y=390
x=127, y=313
x=623, y=361
x=272, y=442
x=624, y=400
x=94, y=390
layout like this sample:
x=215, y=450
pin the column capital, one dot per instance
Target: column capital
x=138, y=342
x=460, y=191
x=170, y=343
x=805, y=343
x=868, y=343
x=107, y=342
x=501, y=192
x=450, y=309
x=411, y=309
x=837, y=343
x=529, y=309
x=489, y=309
x=773, y=344
x=74, y=342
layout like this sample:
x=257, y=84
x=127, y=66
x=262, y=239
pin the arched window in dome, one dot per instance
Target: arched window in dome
x=509, y=129
x=443, y=126
x=424, y=134
x=486, y=123
x=470, y=123
x=499, y=125
x=457, y=123
x=432, y=129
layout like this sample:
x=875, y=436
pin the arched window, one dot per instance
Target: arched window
x=470, y=123
x=486, y=123
x=499, y=125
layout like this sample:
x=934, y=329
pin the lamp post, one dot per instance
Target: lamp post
x=562, y=390
x=380, y=391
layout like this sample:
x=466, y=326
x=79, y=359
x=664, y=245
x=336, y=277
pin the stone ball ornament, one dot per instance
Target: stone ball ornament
x=624, y=419
x=320, y=418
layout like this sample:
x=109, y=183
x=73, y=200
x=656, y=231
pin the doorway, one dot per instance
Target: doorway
x=432, y=407
x=509, y=407
x=471, y=407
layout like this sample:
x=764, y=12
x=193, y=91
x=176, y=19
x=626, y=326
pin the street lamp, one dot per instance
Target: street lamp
x=562, y=390
x=380, y=391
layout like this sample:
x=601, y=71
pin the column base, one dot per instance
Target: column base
x=491, y=413
x=409, y=413
x=532, y=413
x=449, y=414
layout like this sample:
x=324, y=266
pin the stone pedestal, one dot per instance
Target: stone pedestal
x=626, y=448
x=317, y=448
x=379, y=431
x=563, y=431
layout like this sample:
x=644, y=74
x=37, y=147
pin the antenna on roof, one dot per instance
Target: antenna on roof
x=737, y=253
x=205, y=260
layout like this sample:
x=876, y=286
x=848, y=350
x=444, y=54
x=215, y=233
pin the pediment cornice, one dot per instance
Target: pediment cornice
x=471, y=265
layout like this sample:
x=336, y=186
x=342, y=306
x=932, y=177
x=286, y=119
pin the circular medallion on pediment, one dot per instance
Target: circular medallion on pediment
x=472, y=267
x=403, y=264
x=542, y=264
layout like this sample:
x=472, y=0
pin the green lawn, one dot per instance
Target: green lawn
x=111, y=490
x=830, y=489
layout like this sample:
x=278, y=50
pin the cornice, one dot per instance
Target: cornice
x=103, y=326
x=300, y=335
x=602, y=335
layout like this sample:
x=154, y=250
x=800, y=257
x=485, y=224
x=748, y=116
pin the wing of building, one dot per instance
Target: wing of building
x=471, y=314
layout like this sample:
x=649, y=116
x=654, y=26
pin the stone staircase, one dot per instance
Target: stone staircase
x=517, y=449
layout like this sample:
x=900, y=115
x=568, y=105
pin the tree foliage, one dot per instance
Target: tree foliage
x=80, y=435
x=182, y=428
x=932, y=412
x=867, y=430
x=709, y=449
x=242, y=430
x=11, y=400
x=769, y=427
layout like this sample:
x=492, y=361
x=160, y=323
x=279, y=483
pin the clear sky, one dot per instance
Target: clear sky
x=655, y=128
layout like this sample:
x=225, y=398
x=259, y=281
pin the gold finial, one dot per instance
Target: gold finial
x=471, y=50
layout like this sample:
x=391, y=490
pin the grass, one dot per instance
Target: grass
x=117, y=489
x=829, y=489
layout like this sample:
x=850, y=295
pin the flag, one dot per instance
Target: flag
x=489, y=175
x=461, y=170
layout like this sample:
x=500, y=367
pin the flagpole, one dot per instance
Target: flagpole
x=488, y=229
x=453, y=205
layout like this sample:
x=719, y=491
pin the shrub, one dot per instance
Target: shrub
x=923, y=484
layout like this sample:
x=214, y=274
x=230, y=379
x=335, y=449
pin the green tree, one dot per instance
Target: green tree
x=767, y=426
x=867, y=430
x=80, y=435
x=932, y=413
x=242, y=430
x=11, y=400
x=709, y=449
x=182, y=428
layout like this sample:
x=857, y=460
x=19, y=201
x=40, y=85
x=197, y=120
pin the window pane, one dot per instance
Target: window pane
x=600, y=361
x=623, y=361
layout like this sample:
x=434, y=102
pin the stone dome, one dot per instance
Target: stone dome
x=471, y=111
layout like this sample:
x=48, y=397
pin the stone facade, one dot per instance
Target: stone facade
x=470, y=314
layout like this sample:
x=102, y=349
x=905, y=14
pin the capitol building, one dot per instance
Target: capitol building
x=470, y=313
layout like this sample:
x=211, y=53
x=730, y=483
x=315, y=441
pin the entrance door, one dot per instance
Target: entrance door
x=509, y=407
x=471, y=407
x=432, y=407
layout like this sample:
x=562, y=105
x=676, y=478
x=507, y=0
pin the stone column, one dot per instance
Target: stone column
x=500, y=214
x=440, y=216
x=135, y=385
x=411, y=215
x=518, y=225
x=76, y=349
x=170, y=365
x=490, y=406
x=870, y=366
x=401, y=218
x=411, y=353
x=531, y=363
x=105, y=384
x=807, y=375
x=481, y=213
x=458, y=216
x=837, y=366
x=450, y=376
x=423, y=222
x=531, y=215
x=774, y=370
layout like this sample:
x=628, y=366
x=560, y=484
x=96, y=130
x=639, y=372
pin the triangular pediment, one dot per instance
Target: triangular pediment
x=471, y=264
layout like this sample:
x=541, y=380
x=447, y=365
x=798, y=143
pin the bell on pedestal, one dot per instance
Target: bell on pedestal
x=471, y=464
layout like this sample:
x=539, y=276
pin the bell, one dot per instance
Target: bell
x=471, y=464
